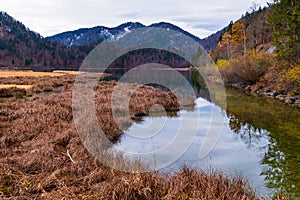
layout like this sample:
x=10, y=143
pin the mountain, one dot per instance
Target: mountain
x=174, y=28
x=86, y=35
x=23, y=48
x=211, y=42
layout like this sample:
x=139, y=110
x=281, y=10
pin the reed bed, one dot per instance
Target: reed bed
x=42, y=156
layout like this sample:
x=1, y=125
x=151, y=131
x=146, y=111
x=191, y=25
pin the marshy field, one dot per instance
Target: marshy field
x=42, y=156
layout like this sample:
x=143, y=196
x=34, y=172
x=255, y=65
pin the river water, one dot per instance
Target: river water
x=259, y=140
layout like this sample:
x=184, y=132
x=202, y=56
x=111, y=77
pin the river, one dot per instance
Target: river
x=260, y=140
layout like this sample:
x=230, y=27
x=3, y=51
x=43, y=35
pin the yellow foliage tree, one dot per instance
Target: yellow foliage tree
x=239, y=35
x=224, y=45
x=226, y=42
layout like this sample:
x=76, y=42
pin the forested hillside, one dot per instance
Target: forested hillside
x=261, y=51
x=21, y=48
x=252, y=31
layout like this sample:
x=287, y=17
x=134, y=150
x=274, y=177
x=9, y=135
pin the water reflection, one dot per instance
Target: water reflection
x=247, y=133
x=254, y=118
x=230, y=155
x=191, y=75
x=260, y=139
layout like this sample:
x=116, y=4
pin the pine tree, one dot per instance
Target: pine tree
x=285, y=21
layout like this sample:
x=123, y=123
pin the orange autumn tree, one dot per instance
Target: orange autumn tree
x=239, y=37
x=224, y=46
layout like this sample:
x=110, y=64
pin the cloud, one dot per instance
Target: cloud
x=199, y=17
x=129, y=15
x=209, y=27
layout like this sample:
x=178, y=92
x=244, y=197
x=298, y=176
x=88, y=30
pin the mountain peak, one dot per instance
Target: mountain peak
x=4, y=14
x=130, y=25
x=87, y=35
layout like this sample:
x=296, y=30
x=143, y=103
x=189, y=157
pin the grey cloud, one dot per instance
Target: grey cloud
x=129, y=15
x=209, y=27
x=196, y=16
x=204, y=22
x=189, y=19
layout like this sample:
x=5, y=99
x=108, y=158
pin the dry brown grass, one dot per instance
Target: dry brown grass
x=13, y=73
x=29, y=85
x=26, y=73
x=186, y=184
x=37, y=133
x=13, y=92
x=67, y=72
x=38, y=82
x=26, y=87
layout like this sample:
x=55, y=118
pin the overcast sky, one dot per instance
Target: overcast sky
x=199, y=17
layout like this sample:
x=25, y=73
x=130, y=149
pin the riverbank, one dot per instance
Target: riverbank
x=293, y=100
x=42, y=156
x=260, y=73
